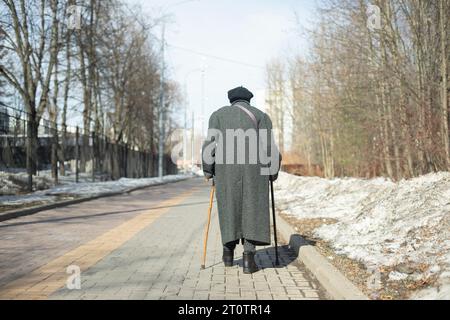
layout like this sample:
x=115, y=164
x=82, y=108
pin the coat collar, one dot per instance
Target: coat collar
x=245, y=102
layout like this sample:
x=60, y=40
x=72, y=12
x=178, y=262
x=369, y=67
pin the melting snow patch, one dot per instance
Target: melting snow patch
x=86, y=189
x=380, y=222
x=396, y=276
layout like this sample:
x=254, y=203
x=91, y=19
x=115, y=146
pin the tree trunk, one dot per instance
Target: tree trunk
x=444, y=85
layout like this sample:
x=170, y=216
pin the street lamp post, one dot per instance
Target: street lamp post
x=162, y=107
x=162, y=94
x=203, y=96
x=192, y=140
x=185, y=119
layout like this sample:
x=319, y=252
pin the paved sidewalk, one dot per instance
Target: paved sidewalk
x=153, y=253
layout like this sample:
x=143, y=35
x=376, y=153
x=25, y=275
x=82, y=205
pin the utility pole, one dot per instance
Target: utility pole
x=161, y=106
x=203, y=100
x=192, y=140
x=185, y=169
x=161, y=98
x=186, y=117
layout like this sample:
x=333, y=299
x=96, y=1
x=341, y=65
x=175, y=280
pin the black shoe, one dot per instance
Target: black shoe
x=228, y=257
x=249, y=263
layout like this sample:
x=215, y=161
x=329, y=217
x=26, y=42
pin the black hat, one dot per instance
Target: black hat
x=239, y=93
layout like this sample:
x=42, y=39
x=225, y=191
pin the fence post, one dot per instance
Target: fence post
x=29, y=152
x=62, y=157
x=93, y=156
x=54, y=159
x=111, y=160
x=25, y=140
x=125, y=153
x=77, y=153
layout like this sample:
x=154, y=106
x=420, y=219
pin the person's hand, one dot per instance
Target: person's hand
x=208, y=176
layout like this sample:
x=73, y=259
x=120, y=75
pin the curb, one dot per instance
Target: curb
x=12, y=214
x=334, y=282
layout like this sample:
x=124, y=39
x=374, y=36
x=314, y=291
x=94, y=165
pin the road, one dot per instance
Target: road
x=142, y=245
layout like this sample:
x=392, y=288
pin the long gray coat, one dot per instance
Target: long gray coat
x=242, y=192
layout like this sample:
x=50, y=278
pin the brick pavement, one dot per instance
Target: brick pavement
x=157, y=258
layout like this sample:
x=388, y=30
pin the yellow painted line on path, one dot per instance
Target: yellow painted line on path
x=42, y=282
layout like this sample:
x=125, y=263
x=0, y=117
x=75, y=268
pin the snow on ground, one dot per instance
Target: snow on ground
x=380, y=223
x=68, y=188
x=13, y=182
x=100, y=188
x=197, y=171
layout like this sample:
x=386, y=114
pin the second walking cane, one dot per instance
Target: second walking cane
x=277, y=262
x=205, y=241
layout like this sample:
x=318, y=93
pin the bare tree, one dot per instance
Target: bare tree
x=376, y=98
x=26, y=29
x=276, y=98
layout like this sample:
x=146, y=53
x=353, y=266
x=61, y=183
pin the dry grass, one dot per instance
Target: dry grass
x=356, y=272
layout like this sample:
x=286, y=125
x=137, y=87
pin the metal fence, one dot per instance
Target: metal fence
x=68, y=150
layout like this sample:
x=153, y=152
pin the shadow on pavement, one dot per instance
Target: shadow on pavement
x=87, y=216
x=287, y=254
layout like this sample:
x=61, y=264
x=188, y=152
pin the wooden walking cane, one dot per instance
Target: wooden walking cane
x=205, y=241
x=277, y=262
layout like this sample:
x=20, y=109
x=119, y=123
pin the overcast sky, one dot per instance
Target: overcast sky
x=247, y=31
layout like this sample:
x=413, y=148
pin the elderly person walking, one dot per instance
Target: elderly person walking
x=241, y=156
